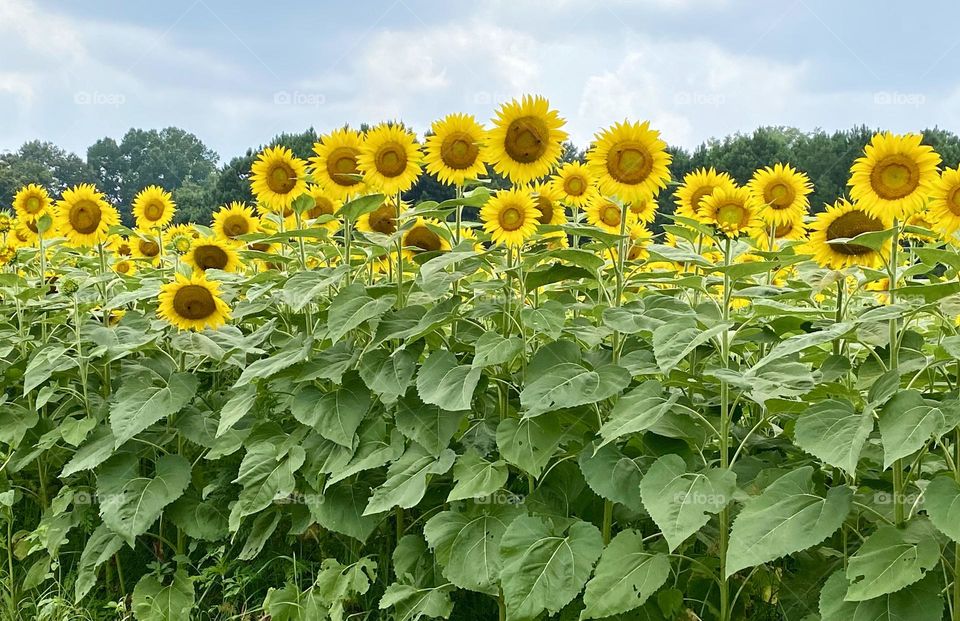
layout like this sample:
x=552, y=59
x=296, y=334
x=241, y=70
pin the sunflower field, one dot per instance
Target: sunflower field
x=518, y=404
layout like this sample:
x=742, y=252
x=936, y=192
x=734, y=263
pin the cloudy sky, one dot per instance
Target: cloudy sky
x=237, y=72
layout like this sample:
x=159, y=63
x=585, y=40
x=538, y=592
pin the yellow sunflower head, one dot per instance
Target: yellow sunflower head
x=146, y=246
x=840, y=222
x=177, y=239
x=782, y=191
x=31, y=202
x=923, y=221
x=644, y=209
x=335, y=165
x=456, y=149
x=23, y=234
x=549, y=204
x=383, y=219
x=575, y=183
x=733, y=212
x=944, y=206
x=390, y=158
x=526, y=140
x=324, y=204
x=510, y=217
x=209, y=253
x=640, y=238
x=423, y=236
x=894, y=176
x=124, y=267
x=120, y=245
x=84, y=217
x=193, y=303
x=279, y=178
x=232, y=221
x=6, y=223
x=791, y=231
x=609, y=215
x=696, y=186
x=629, y=161
x=153, y=208
x=467, y=234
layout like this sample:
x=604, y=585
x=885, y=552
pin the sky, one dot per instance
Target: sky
x=238, y=72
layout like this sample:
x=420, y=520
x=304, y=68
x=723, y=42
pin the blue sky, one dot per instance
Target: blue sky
x=238, y=72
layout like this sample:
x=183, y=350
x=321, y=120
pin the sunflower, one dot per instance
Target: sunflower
x=455, y=150
x=548, y=201
x=608, y=215
x=791, y=231
x=467, y=234
x=233, y=220
x=640, y=238
x=782, y=190
x=526, y=140
x=179, y=238
x=119, y=245
x=335, y=163
x=574, y=181
x=894, y=176
x=944, y=207
x=511, y=217
x=733, y=212
x=383, y=219
x=696, y=186
x=84, y=216
x=644, y=209
x=629, y=161
x=845, y=220
x=147, y=246
x=209, y=253
x=390, y=158
x=278, y=178
x=31, y=202
x=324, y=204
x=422, y=237
x=6, y=223
x=193, y=303
x=153, y=208
x=23, y=234
x=920, y=220
x=124, y=267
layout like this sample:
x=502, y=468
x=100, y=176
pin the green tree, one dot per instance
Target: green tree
x=42, y=163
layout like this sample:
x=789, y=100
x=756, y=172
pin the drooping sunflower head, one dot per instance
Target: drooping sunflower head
x=424, y=236
x=383, y=219
x=153, y=208
x=894, y=176
x=734, y=212
x=575, y=184
x=177, y=239
x=209, y=253
x=549, y=204
x=324, y=204
x=526, y=139
x=232, y=221
x=782, y=191
x=23, y=234
x=510, y=217
x=609, y=215
x=31, y=202
x=146, y=246
x=629, y=161
x=84, y=217
x=193, y=303
x=456, y=149
x=944, y=206
x=278, y=178
x=335, y=165
x=831, y=231
x=696, y=186
x=390, y=158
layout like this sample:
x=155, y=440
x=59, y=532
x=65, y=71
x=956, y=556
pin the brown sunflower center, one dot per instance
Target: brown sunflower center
x=459, y=151
x=732, y=216
x=635, y=253
x=511, y=219
x=953, y=200
x=84, y=216
x=384, y=219
x=391, y=160
x=545, y=205
x=342, y=166
x=282, y=178
x=209, y=256
x=610, y=214
x=423, y=238
x=574, y=186
x=235, y=225
x=895, y=177
x=33, y=205
x=629, y=163
x=154, y=210
x=779, y=195
x=123, y=267
x=783, y=230
x=322, y=206
x=194, y=302
x=148, y=247
x=123, y=249
x=527, y=139
x=848, y=226
x=698, y=196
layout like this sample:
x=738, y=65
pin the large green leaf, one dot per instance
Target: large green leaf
x=266, y=474
x=445, y=383
x=335, y=414
x=789, y=516
x=340, y=509
x=205, y=519
x=155, y=601
x=529, y=443
x=890, y=559
x=638, y=410
x=491, y=349
x=941, y=499
x=834, y=432
x=100, y=548
x=921, y=601
x=626, y=576
x=353, y=307
x=429, y=426
x=681, y=502
x=612, y=475
x=145, y=398
x=407, y=479
x=570, y=384
x=672, y=342
x=388, y=373
x=545, y=565
x=476, y=477
x=906, y=423
x=800, y=342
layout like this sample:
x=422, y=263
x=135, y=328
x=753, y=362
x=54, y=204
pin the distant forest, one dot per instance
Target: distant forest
x=180, y=162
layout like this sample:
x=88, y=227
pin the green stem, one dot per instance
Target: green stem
x=725, y=434
x=607, y=520
x=898, y=499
